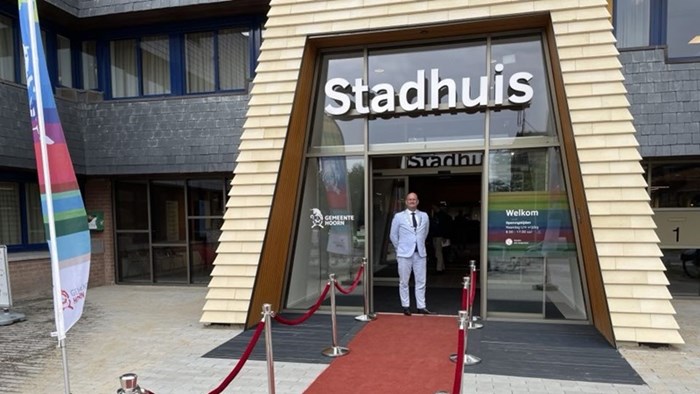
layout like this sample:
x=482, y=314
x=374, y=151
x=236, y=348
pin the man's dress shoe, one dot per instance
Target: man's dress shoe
x=425, y=311
x=407, y=311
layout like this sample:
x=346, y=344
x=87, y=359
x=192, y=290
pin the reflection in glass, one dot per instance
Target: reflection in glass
x=168, y=211
x=683, y=270
x=521, y=54
x=131, y=205
x=682, y=35
x=35, y=217
x=10, y=225
x=388, y=199
x=457, y=62
x=133, y=258
x=533, y=266
x=170, y=264
x=330, y=231
x=338, y=131
x=205, y=197
x=675, y=185
x=204, y=238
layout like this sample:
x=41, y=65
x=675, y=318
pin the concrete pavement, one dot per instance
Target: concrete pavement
x=154, y=332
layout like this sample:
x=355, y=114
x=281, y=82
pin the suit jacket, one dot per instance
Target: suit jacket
x=405, y=238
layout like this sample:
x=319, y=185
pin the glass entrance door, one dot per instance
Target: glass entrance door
x=532, y=267
x=388, y=198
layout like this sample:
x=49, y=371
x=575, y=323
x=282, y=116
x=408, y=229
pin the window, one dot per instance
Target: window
x=212, y=61
x=199, y=55
x=89, y=63
x=123, y=68
x=22, y=223
x=675, y=185
x=168, y=230
x=203, y=49
x=234, y=66
x=154, y=57
x=682, y=31
x=632, y=23
x=65, y=65
x=7, y=57
x=10, y=229
x=12, y=67
x=155, y=62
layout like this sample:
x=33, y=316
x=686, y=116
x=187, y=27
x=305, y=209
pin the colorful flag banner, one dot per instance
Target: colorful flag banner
x=65, y=219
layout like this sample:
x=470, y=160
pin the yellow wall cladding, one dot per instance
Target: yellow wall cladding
x=607, y=147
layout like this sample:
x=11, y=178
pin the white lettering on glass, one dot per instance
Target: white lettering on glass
x=412, y=94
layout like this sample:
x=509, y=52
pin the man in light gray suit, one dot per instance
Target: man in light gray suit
x=409, y=229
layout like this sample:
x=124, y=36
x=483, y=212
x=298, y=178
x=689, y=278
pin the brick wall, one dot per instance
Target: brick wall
x=30, y=273
x=98, y=197
x=30, y=278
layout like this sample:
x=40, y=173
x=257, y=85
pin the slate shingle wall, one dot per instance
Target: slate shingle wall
x=88, y=8
x=16, y=145
x=665, y=103
x=178, y=135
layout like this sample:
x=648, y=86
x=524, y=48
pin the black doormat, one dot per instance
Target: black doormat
x=441, y=300
x=302, y=343
x=548, y=351
x=532, y=350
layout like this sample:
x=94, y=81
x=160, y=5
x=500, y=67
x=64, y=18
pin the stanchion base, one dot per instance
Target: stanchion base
x=474, y=325
x=365, y=318
x=7, y=317
x=468, y=359
x=471, y=360
x=335, y=351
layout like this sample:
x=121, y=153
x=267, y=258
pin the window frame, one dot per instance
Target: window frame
x=253, y=25
x=177, y=39
x=23, y=180
x=664, y=36
x=658, y=31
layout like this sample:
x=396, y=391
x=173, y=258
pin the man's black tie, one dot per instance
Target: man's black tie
x=413, y=218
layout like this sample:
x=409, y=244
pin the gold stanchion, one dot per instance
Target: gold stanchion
x=473, y=325
x=267, y=314
x=366, y=316
x=335, y=350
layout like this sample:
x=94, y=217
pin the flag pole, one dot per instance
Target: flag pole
x=53, y=249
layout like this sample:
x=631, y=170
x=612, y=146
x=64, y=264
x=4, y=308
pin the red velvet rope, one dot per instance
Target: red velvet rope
x=308, y=314
x=464, y=299
x=354, y=283
x=473, y=288
x=242, y=361
x=459, y=367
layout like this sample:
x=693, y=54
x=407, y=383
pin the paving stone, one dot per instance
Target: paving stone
x=154, y=331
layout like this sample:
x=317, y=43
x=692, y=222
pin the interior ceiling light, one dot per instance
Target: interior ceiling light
x=695, y=40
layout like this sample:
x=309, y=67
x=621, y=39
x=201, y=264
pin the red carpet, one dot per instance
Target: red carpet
x=395, y=354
